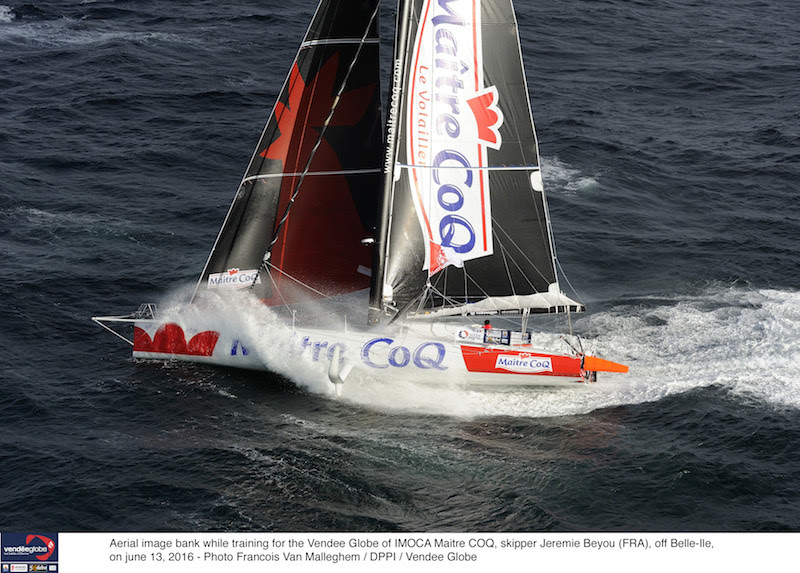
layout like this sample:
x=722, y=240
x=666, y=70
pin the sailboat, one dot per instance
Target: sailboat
x=436, y=217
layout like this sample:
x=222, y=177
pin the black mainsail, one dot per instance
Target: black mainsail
x=310, y=194
x=465, y=226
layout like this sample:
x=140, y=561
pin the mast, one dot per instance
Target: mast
x=396, y=99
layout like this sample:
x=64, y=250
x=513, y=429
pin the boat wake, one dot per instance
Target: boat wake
x=734, y=338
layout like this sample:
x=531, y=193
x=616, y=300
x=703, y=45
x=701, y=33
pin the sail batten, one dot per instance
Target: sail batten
x=472, y=168
x=311, y=174
x=338, y=41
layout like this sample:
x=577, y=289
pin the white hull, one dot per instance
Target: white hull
x=432, y=353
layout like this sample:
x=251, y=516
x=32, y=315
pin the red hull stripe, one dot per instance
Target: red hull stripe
x=500, y=361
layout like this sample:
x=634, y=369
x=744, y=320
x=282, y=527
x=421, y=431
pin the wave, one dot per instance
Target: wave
x=740, y=339
x=562, y=178
x=72, y=32
x=6, y=14
x=48, y=223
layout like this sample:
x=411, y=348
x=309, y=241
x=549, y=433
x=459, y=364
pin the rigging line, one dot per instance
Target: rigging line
x=323, y=130
x=298, y=281
x=275, y=285
x=530, y=262
x=283, y=300
x=425, y=295
x=505, y=254
x=313, y=173
x=466, y=287
x=406, y=325
x=445, y=298
x=453, y=300
x=473, y=281
x=566, y=278
x=405, y=307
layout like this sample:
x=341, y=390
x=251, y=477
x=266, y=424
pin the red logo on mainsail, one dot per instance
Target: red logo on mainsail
x=488, y=117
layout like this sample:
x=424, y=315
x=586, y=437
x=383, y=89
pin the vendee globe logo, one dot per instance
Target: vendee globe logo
x=29, y=546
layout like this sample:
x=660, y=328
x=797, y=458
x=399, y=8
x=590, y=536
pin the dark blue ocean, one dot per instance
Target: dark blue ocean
x=670, y=138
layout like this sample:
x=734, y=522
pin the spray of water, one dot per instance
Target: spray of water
x=739, y=339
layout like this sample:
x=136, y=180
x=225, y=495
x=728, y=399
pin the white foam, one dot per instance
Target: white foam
x=558, y=176
x=269, y=335
x=51, y=223
x=741, y=340
x=41, y=218
x=71, y=32
x=6, y=14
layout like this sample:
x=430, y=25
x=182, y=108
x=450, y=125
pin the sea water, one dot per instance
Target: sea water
x=669, y=141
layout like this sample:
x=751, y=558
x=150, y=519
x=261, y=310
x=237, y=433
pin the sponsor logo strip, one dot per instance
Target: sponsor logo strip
x=234, y=279
x=481, y=359
x=524, y=364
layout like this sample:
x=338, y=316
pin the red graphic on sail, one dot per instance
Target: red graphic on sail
x=320, y=242
x=170, y=339
x=488, y=116
x=441, y=257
